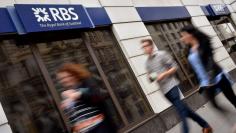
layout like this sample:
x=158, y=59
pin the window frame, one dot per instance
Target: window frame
x=224, y=40
x=55, y=95
x=163, y=28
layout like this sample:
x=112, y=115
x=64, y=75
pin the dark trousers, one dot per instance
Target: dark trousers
x=104, y=127
x=183, y=110
x=225, y=86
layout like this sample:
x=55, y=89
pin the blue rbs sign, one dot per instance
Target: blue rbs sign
x=37, y=18
x=6, y=24
x=215, y=10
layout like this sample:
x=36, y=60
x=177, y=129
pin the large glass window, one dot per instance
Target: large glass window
x=127, y=106
x=166, y=36
x=117, y=71
x=225, y=30
x=25, y=97
x=56, y=53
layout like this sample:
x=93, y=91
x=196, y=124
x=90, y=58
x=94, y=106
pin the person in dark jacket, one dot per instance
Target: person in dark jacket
x=81, y=103
x=209, y=73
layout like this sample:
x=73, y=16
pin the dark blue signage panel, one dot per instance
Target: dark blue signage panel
x=162, y=13
x=6, y=25
x=37, y=18
x=99, y=16
x=217, y=10
x=205, y=10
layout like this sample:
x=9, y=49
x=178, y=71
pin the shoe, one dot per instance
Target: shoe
x=207, y=130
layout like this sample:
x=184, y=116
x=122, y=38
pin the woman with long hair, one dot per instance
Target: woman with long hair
x=209, y=73
x=80, y=103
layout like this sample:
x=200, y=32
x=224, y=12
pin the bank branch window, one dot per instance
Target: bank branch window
x=100, y=53
x=24, y=95
x=225, y=30
x=166, y=36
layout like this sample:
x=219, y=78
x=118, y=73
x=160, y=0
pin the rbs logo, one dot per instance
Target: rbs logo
x=57, y=14
x=219, y=8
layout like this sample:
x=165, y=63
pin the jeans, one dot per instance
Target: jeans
x=183, y=110
x=225, y=86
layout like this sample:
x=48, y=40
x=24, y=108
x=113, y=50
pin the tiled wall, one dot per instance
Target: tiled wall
x=202, y=2
x=228, y=1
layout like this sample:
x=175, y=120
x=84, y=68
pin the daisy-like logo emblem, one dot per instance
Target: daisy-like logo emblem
x=41, y=14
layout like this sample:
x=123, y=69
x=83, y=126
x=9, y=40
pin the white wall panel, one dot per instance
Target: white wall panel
x=230, y=8
x=5, y=128
x=122, y=14
x=116, y=2
x=216, y=43
x=190, y=2
x=234, y=6
x=228, y=64
x=129, y=30
x=54, y=1
x=208, y=30
x=228, y=1
x=200, y=21
x=87, y=3
x=233, y=16
x=220, y=54
x=206, y=2
x=4, y=3
x=3, y=118
x=27, y=1
x=138, y=64
x=195, y=10
x=143, y=3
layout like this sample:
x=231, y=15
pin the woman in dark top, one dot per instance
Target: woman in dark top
x=210, y=74
x=81, y=103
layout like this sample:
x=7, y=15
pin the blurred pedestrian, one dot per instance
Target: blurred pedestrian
x=162, y=68
x=210, y=74
x=80, y=104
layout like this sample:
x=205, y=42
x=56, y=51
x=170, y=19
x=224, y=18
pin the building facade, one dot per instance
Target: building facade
x=38, y=36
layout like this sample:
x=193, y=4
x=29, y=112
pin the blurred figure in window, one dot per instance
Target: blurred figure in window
x=23, y=122
x=45, y=118
x=81, y=102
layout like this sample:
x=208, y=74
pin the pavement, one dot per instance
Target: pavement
x=221, y=123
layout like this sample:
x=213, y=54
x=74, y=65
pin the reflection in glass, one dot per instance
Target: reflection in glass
x=169, y=34
x=23, y=93
x=225, y=30
x=120, y=78
x=56, y=53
